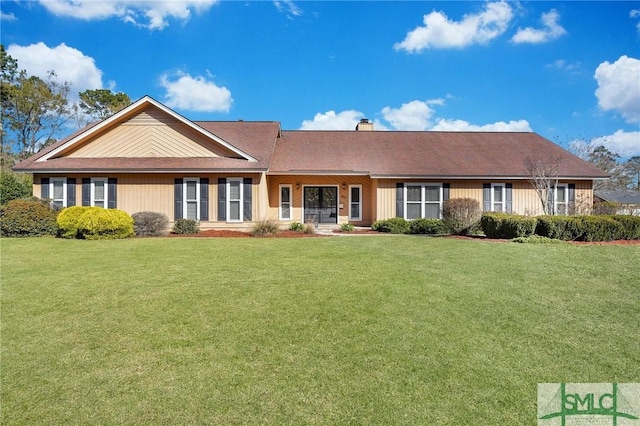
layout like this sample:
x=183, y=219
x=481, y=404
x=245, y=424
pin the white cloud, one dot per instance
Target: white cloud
x=8, y=17
x=143, y=13
x=411, y=116
x=440, y=32
x=635, y=14
x=414, y=115
x=447, y=125
x=619, y=87
x=69, y=64
x=195, y=93
x=551, y=31
x=345, y=120
x=288, y=7
x=625, y=144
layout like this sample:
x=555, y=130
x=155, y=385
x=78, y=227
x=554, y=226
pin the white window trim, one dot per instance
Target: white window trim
x=228, y=206
x=64, y=190
x=280, y=215
x=106, y=191
x=359, y=217
x=184, y=198
x=504, y=197
x=422, y=198
x=566, y=198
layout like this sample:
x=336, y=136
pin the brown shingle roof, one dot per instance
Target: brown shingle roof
x=421, y=154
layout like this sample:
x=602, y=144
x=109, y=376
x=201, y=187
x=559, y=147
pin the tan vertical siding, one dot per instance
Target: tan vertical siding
x=525, y=198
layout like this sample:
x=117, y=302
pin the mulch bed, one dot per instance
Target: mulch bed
x=297, y=234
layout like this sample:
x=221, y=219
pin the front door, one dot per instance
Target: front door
x=321, y=204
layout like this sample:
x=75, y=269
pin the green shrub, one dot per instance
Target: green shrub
x=150, y=224
x=599, y=228
x=186, y=226
x=507, y=226
x=630, y=226
x=461, y=215
x=536, y=239
x=265, y=227
x=395, y=225
x=347, y=227
x=14, y=187
x=428, y=227
x=68, y=221
x=296, y=226
x=588, y=228
x=27, y=218
x=566, y=228
x=97, y=223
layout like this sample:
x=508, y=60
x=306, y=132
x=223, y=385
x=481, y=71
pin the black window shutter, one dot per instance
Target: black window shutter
x=71, y=192
x=86, y=191
x=247, y=202
x=204, y=198
x=112, y=202
x=508, y=189
x=572, y=198
x=399, y=199
x=222, y=199
x=177, y=199
x=44, y=188
x=446, y=191
x=486, y=197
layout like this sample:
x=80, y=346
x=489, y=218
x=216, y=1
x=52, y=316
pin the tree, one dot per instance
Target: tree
x=543, y=175
x=102, y=103
x=33, y=110
x=607, y=161
x=632, y=171
x=14, y=186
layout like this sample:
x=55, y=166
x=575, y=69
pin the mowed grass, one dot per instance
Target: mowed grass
x=354, y=330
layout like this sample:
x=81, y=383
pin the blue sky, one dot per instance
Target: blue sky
x=569, y=71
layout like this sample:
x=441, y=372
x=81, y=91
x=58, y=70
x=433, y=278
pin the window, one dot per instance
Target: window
x=423, y=201
x=561, y=200
x=234, y=200
x=285, y=202
x=58, y=189
x=99, y=189
x=191, y=192
x=355, y=202
x=497, y=197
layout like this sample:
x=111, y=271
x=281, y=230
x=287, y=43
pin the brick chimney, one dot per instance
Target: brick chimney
x=364, y=125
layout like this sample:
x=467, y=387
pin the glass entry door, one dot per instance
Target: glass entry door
x=321, y=204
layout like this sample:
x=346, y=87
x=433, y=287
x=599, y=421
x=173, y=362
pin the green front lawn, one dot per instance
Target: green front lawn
x=345, y=330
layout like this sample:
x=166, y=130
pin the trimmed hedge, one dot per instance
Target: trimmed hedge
x=589, y=228
x=96, y=223
x=630, y=226
x=150, y=224
x=507, y=226
x=394, y=225
x=428, y=227
x=27, y=218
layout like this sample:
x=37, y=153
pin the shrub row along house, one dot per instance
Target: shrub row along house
x=229, y=175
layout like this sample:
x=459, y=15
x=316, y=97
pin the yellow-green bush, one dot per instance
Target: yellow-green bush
x=68, y=221
x=97, y=223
